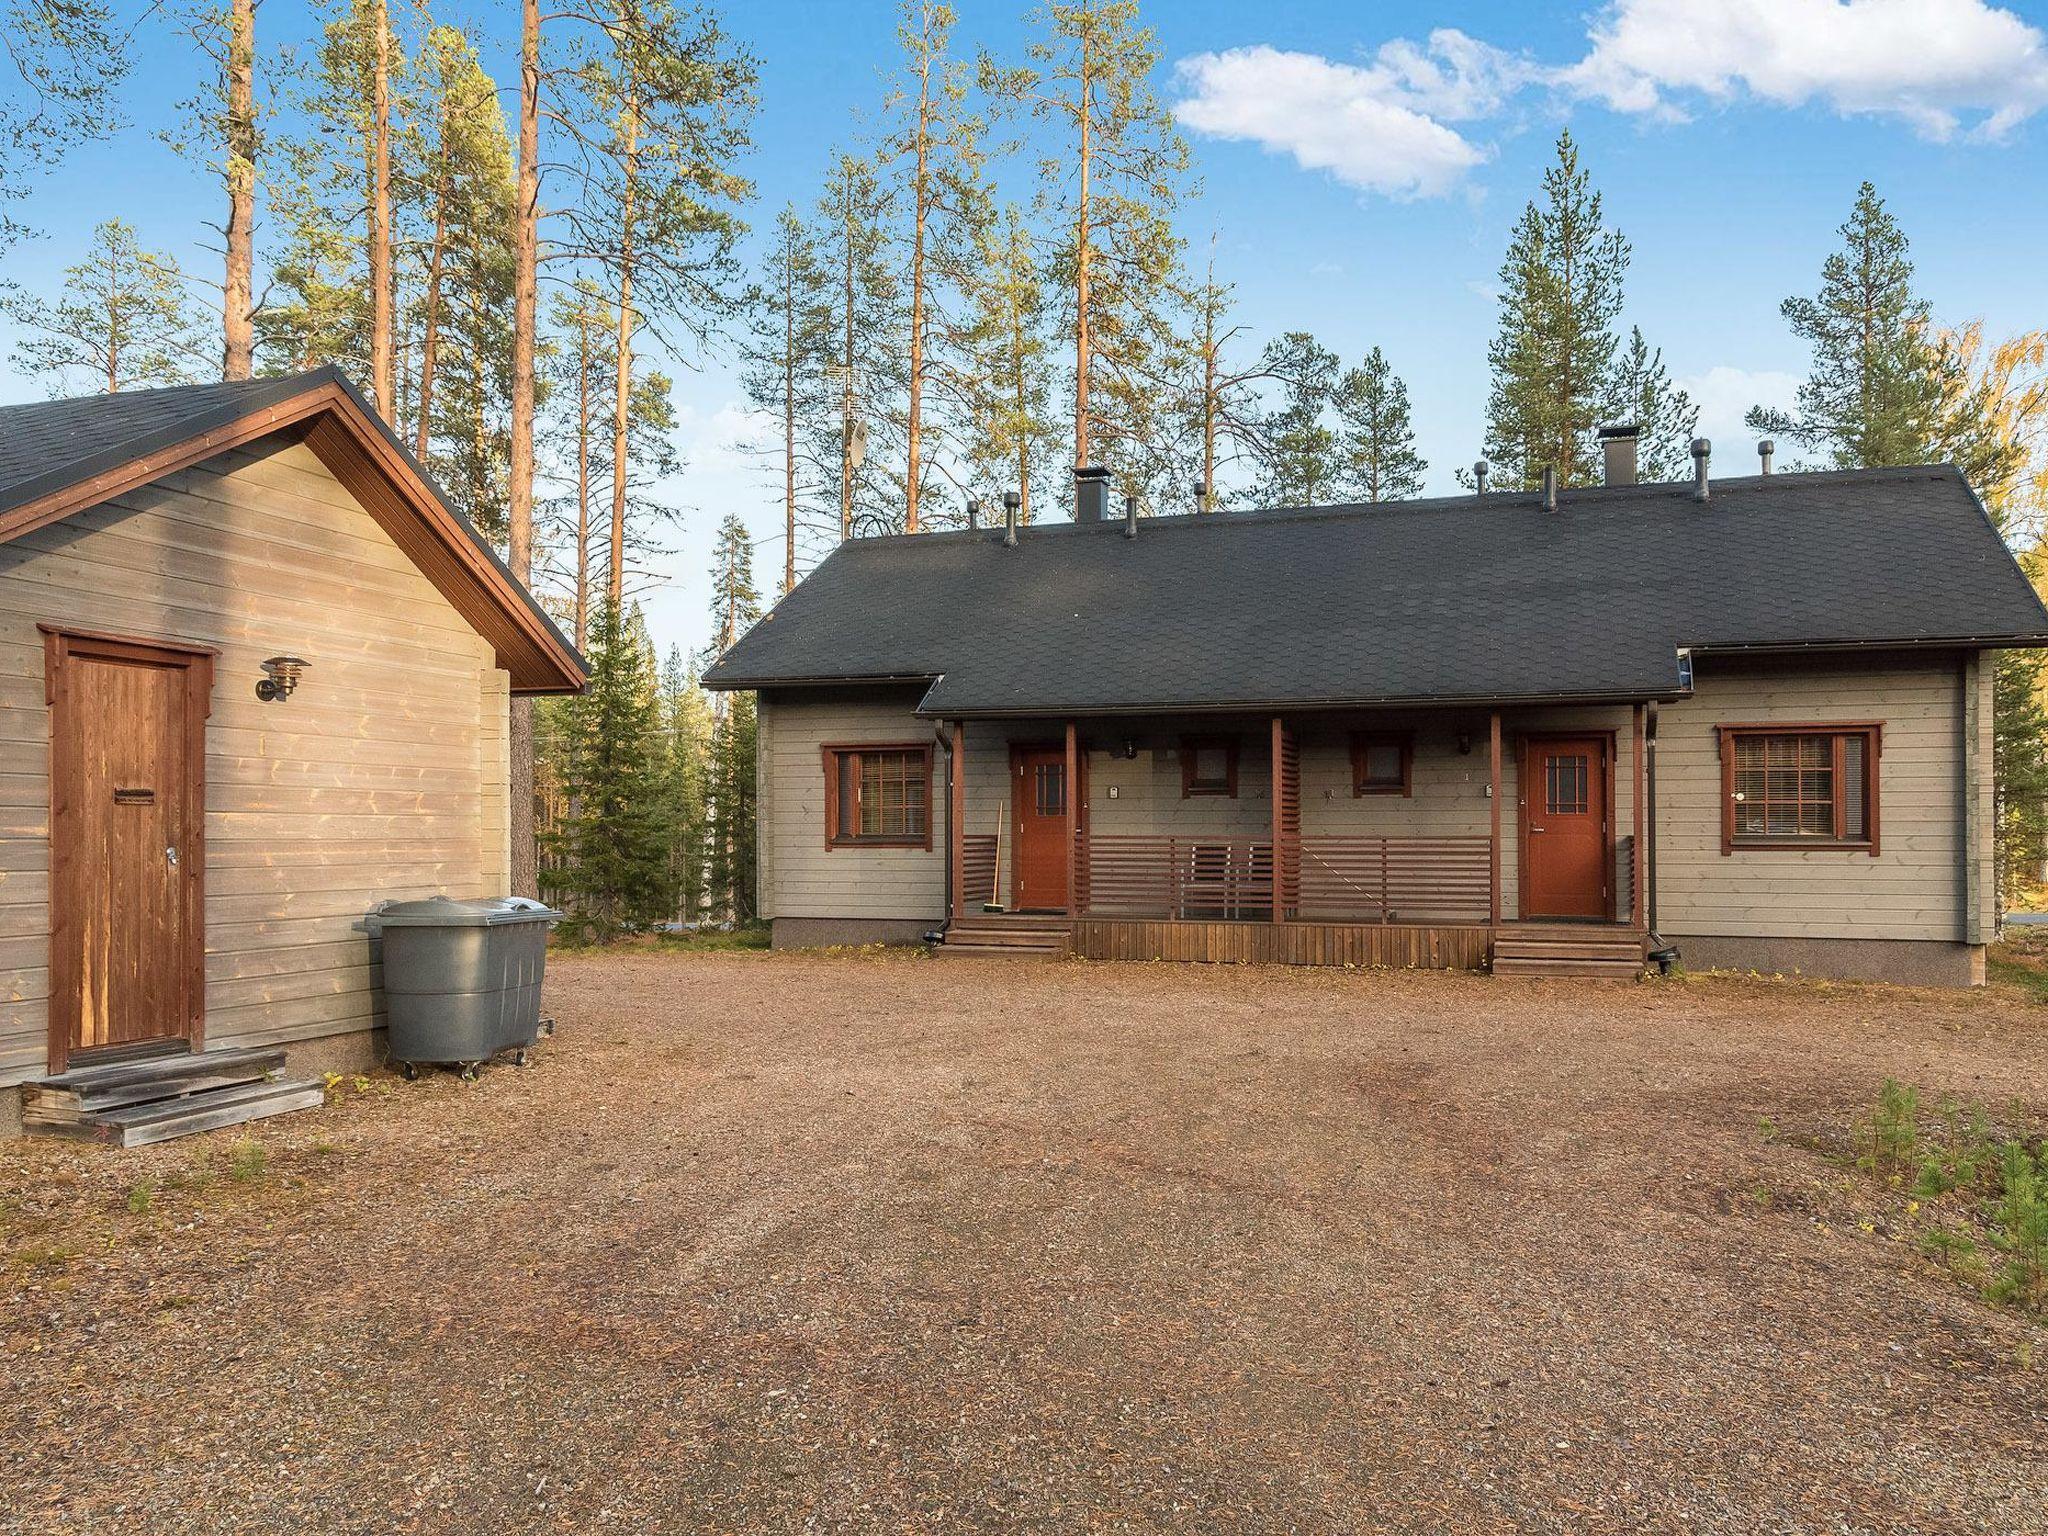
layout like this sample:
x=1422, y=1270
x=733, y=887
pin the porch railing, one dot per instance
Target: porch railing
x=1342, y=878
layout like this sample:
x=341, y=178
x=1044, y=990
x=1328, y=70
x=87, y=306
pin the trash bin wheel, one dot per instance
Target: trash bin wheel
x=409, y=1070
x=522, y=1059
x=470, y=1070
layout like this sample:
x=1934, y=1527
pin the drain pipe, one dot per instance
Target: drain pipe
x=1663, y=953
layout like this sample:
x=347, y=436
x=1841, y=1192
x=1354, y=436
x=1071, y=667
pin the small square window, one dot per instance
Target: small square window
x=1382, y=765
x=1208, y=766
x=1799, y=786
x=878, y=797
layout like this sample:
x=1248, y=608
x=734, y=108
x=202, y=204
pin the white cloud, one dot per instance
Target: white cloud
x=1933, y=63
x=1381, y=127
x=1724, y=396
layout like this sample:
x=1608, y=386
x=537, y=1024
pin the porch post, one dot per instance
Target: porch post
x=956, y=822
x=1073, y=796
x=1493, y=843
x=1638, y=758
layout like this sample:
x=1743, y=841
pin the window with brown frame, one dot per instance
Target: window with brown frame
x=1382, y=764
x=878, y=796
x=1799, y=786
x=1208, y=766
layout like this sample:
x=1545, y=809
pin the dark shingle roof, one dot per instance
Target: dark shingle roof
x=1456, y=597
x=51, y=445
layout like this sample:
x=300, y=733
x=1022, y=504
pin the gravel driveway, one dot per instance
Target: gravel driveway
x=789, y=1243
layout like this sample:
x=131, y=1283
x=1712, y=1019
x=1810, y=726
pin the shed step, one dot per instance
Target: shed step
x=1611, y=970
x=1032, y=939
x=1562, y=949
x=138, y=1125
x=84, y=1090
x=952, y=951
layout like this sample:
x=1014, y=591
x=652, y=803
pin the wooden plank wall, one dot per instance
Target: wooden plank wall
x=384, y=776
x=1397, y=946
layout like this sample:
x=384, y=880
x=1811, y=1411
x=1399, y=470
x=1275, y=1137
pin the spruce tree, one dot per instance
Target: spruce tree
x=688, y=725
x=1376, y=438
x=1873, y=394
x=124, y=321
x=1664, y=415
x=612, y=854
x=1552, y=358
x=730, y=793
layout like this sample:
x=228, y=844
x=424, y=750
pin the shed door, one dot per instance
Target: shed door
x=127, y=823
x=1566, y=856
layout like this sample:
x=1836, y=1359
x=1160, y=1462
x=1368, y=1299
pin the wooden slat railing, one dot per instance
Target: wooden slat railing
x=1395, y=879
x=978, y=870
x=1341, y=878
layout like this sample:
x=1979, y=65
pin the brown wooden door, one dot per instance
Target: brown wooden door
x=127, y=762
x=1565, y=850
x=1038, y=809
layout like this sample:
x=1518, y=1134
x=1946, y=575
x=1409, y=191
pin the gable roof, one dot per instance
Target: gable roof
x=58, y=457
x=1472, y=598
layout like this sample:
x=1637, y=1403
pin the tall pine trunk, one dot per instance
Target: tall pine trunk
x=921, y=197
x=1084, y=255
x=622, y=385
x=583, y=423
x=788, y=421
x=383, y=375
x=525, y=321
x=430, y=337
x=238, y=323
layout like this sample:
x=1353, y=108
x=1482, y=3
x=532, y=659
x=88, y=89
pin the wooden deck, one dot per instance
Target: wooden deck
x=1399, y=946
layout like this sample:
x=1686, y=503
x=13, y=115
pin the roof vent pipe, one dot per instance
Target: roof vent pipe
x=1550, y=487
x=1701, y=448
x=1618, y=444
x=1764, y=450
x=1130, y=517
x=1012, y=500
x=1091, y=494
x=1479, y=474
x=973, y=513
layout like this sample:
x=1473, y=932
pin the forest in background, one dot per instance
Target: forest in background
x=1004, y=272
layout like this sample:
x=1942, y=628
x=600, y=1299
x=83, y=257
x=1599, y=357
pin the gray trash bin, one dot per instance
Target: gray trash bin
x=461, y=978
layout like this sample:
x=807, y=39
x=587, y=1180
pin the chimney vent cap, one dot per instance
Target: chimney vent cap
x=1620, y=429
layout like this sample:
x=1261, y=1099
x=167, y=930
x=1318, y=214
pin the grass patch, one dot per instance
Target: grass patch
x=247, y=1160
x=1971, y=1193
x=141, y=1195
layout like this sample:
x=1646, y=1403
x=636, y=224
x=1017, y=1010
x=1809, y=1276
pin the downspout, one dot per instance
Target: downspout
x=1662, y=951
x=945, y=744
x=1970, y=718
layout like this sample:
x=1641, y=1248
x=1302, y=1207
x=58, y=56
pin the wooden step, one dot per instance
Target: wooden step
x=104, y=1086
x=1032, y=939
x=139, y=1125
x=1560, y=949
x=951, y=951
x=1593, y=970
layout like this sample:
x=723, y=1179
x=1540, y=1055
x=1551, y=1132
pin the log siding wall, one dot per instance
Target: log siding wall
x=1914, y=890
x=384, y=776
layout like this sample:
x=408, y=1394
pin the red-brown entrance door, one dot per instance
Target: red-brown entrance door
x=127, y=755
x=1038, y=806
x=1565, y=852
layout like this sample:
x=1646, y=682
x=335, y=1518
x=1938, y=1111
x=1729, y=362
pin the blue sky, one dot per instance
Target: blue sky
x=1360, y=166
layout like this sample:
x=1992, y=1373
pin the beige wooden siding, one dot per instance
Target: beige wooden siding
x=384, y=776
x=800, y=876
x=1911, y=890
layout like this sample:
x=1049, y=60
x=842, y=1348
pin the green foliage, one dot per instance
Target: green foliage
x=731, y=814
x=125, y=321
x=141, y=1195
x=1303, y=465
x=1552, y=359
x=1376, y=441
x=611, y=856
x=1892, y=1133
x=1873, y=394
x=2019, y=1226
x=65, y=61
x=688, y=727
x=2019, y=746
x=1664, y=415
x=248, y=1159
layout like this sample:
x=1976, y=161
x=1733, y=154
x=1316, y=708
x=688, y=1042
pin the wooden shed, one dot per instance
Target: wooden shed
x=254, y=677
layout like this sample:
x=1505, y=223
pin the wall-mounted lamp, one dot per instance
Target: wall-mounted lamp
x=1464, y=743
x=280, y=677
x=1127, y=748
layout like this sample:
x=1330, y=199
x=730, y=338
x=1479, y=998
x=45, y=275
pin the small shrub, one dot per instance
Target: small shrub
x=2019, y=1226
x=142, y=1196
x=1892, y=1134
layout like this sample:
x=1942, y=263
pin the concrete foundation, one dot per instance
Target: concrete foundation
x=1906, y=962
x=827, y=932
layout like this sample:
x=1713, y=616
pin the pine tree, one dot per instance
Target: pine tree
x=1303, y=465
x=1112, y=181
x=125, y=320
x=65, y=61
x=865, y=370
x=1664, y=415
x=1221, y=409
x=612, y=856
x=1872, y=396
x=932, y=140
x=221, y=129
x=688, y=723
x=1553, y=356
x=1010, y=439
x=730, y=796
x=783, y=352
x=1376, y=439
